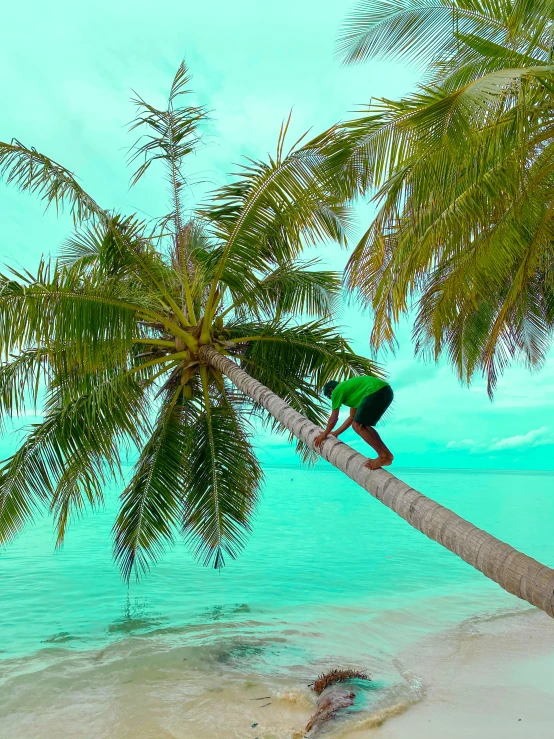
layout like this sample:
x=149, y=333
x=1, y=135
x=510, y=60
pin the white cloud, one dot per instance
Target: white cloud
x=531, y=438
x=463, y=444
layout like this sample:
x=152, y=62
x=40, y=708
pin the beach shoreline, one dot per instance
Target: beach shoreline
x=326, y=581
x=490, y=677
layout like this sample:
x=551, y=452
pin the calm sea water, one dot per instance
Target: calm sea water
x=329, y=577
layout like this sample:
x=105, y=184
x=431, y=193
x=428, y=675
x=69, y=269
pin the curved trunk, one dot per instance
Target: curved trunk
x=512, y=570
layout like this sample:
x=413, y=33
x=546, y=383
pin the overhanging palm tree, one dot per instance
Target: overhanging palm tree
x=135, y=336
x=110, y=336
x=514, y=571
x=463, y=171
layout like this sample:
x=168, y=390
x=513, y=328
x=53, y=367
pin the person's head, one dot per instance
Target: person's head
x=329, y=387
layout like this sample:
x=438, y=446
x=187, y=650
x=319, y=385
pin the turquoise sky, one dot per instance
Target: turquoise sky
x=68, y=73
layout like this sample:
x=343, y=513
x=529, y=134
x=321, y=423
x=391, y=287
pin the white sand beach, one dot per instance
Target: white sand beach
x=491, y=678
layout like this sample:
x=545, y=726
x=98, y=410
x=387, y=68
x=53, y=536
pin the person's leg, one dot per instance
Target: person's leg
x=367, y=416
x=370, y=435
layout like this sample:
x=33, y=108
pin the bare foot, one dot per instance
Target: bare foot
x=381, y=461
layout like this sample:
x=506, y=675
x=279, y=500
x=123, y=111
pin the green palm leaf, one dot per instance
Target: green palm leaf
x=31, y=171
x=294, y=288
x=84, y=433
x=152, y=503
x=463, y=168
x=423, y=30
x=222, y=486
x=21, y=381
x=62, y=306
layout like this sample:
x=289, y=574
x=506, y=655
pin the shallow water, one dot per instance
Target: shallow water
x=329, y=577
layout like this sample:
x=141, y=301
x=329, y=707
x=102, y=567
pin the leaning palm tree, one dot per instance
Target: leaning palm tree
x=463, y=172
x=170, y=337
x=119, y=337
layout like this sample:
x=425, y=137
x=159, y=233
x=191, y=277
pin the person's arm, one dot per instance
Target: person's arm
x=333, y=418
x=346, y=424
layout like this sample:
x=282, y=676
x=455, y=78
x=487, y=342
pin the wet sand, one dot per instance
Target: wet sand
x=489, y=678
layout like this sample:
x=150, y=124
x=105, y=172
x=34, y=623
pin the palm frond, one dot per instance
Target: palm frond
x=79, y=486
x=223, y=481
x=112, y=247
x=463, y=168
x=172, y=134
x=295, y=288
x=31, y=171
x=152, y=503
x=312, y=350
x=272, y=210
x=423, y=30
x=21, y=380
x=60, y=306
x=85, y=433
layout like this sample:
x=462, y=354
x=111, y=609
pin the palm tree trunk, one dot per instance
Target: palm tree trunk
x=512, y=570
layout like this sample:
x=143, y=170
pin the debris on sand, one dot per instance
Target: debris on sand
x=336, y=691
x=327, y=679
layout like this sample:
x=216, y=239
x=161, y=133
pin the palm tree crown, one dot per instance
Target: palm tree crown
x=111, y=334
x=464, y=175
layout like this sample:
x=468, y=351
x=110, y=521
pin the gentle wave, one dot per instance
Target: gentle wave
x=330, y=578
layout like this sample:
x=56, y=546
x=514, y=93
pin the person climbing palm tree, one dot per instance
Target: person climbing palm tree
x=368, y=398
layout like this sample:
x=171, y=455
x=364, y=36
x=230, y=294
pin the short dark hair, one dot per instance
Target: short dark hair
x=329, y=387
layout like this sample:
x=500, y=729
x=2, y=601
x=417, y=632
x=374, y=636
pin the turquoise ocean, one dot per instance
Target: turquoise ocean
x=329, y=577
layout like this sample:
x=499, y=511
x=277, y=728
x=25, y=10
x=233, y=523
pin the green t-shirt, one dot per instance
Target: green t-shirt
x=351, y=392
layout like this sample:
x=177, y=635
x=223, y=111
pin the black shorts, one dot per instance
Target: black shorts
x=372, y=407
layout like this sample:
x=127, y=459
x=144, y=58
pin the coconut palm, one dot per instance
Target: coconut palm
x=110, y=338
x=169, y=338
x=463, y=173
